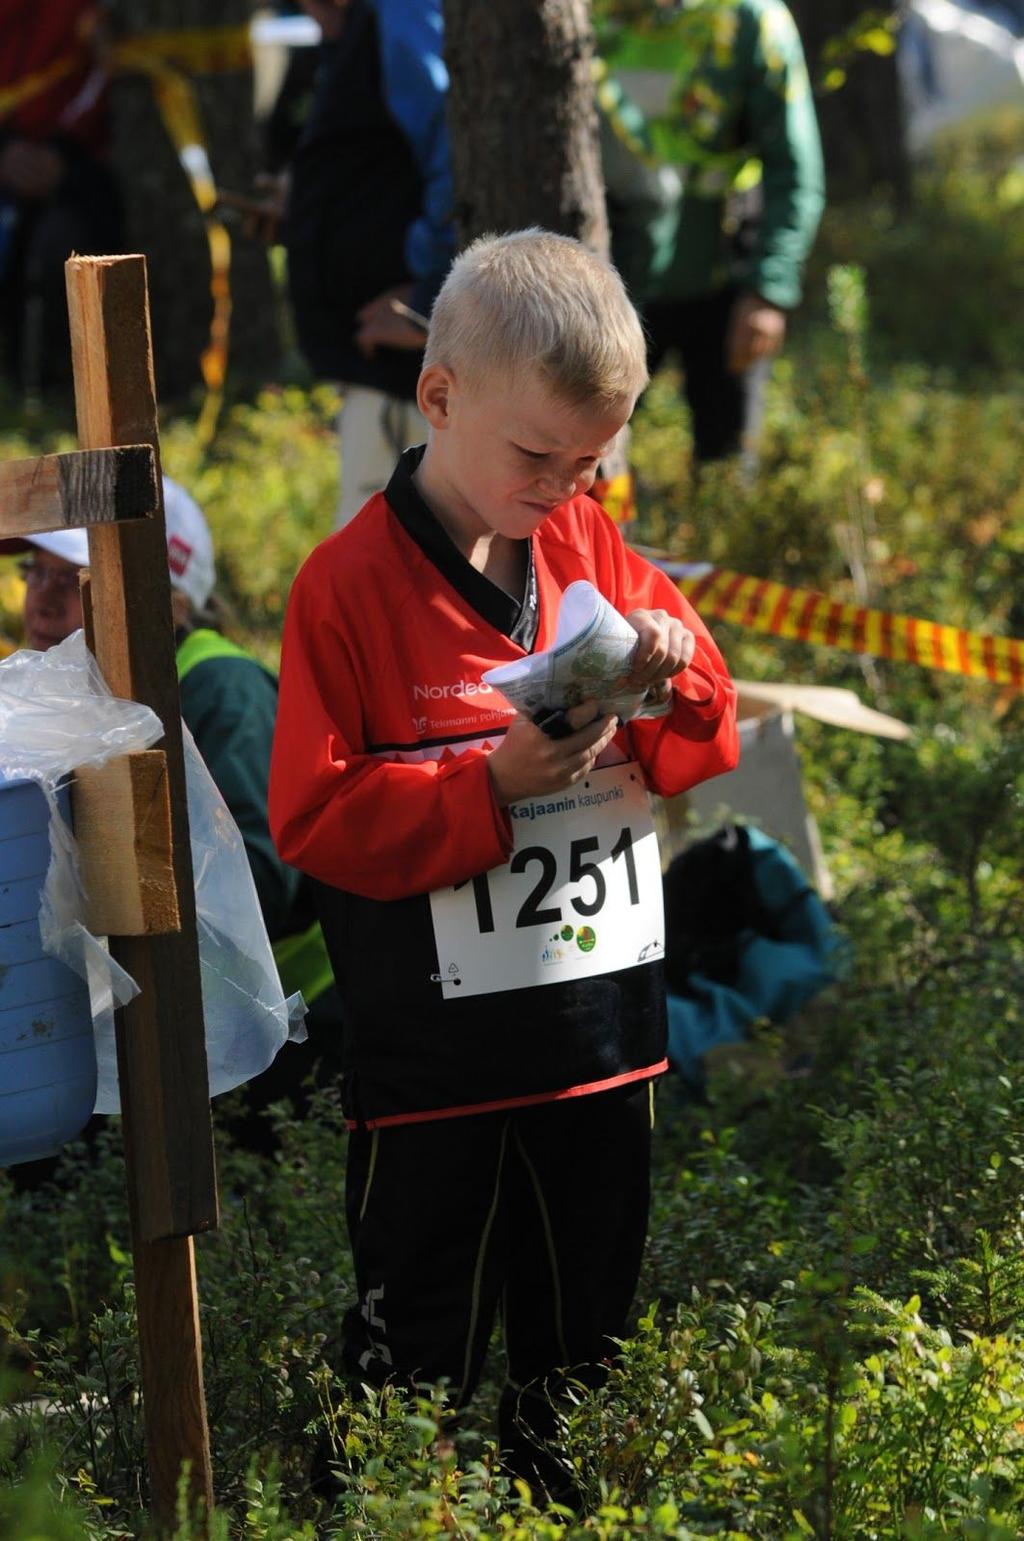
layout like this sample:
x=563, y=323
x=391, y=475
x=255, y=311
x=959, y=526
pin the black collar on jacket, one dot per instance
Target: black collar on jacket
x=516, y=618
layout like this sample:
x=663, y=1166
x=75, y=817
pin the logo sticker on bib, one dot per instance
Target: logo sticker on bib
x=579, y=895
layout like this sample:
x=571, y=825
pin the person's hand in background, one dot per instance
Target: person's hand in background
x=30, y=170
x=382, y=323
x=757, y=330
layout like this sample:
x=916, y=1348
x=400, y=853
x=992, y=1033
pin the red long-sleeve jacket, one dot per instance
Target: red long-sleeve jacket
x=380, y=791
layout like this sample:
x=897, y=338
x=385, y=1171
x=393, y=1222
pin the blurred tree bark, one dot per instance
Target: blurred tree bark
x=862, y=124
x=161, y=216
x=522, y=119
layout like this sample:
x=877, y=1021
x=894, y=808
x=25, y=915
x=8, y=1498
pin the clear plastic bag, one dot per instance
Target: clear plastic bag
x=56, y=713
x=247, y=1016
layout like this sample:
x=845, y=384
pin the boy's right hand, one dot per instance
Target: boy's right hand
x=527, y=763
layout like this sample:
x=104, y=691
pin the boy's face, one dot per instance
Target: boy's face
x=505, y=454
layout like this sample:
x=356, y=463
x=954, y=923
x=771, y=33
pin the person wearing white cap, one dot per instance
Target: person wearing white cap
x=53, y=607
x=229, y=703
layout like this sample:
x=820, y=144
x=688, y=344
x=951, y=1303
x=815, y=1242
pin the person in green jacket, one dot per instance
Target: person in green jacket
x=726, y=102
x=228, y=703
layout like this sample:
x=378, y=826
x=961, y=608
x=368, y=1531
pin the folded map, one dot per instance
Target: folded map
x=591, y=660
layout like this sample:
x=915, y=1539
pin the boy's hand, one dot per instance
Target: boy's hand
x=527, y=763
x=665, y=648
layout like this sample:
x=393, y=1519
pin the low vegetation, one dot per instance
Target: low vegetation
x=829, y=1338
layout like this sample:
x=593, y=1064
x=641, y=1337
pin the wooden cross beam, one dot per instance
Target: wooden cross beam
x=58, y=492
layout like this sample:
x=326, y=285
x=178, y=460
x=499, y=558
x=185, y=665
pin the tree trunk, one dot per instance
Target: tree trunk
x=862, y=125
x=161, y=216
x=522, y=120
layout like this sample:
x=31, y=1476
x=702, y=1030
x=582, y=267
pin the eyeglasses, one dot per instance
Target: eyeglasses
x=36, y=573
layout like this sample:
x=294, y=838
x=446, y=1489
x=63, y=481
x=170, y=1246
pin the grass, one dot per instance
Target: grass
x=828, y=1334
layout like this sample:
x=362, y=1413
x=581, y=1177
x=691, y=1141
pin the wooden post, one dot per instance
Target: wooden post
x=161, y=1049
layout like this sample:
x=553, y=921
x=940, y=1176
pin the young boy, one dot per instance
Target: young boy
x=483, y=885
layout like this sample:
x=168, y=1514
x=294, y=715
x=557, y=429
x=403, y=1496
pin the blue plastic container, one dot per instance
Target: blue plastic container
x=47, y=1054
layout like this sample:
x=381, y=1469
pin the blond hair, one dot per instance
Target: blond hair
x=534, y=301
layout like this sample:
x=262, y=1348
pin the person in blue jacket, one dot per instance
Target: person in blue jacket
x=368, y=226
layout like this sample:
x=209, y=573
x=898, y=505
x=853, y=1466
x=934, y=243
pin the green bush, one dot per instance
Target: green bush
x=833, y=1341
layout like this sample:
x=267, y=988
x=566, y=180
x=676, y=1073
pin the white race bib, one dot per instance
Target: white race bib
x=580, y=894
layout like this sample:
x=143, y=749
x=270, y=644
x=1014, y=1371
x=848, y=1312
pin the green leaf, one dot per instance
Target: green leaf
x=877, y=40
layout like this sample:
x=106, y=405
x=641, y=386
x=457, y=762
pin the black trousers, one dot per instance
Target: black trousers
x=726, y=409
x=540, y=1212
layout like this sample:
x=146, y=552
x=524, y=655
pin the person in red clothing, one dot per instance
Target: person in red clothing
x=57, y=192
x=482, y=884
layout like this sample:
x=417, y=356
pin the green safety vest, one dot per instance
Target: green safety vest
x=302, y=960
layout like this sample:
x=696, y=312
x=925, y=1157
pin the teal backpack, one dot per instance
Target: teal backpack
x=746, y=938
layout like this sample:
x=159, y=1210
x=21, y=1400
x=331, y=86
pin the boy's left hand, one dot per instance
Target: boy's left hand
x=665, y=647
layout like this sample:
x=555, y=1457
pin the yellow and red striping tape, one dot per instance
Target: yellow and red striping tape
x=805, y=615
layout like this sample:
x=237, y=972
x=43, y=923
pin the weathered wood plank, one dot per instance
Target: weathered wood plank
x=172, y=1158
x=174, y=1397
x=58, y=492
x=122, y=818
x=161, y=1051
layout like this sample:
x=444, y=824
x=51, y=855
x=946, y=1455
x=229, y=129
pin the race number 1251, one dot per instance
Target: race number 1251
x=582, y=871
